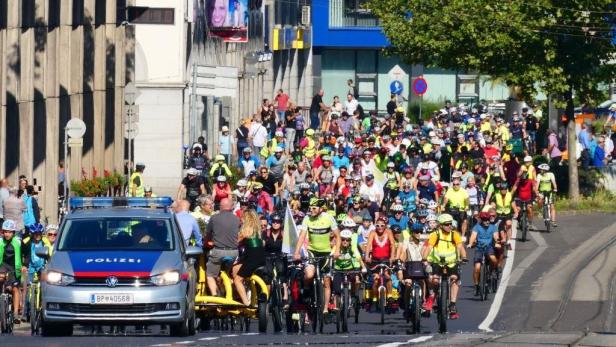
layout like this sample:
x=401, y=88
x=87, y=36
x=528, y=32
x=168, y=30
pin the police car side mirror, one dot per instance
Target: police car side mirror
x=192, y=251
x=42, y=252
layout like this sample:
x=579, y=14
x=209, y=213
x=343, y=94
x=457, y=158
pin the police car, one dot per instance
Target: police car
x=119, y=262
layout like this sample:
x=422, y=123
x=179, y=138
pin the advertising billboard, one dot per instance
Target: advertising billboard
x=228, y=19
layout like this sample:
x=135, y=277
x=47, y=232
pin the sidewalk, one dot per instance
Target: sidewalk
x=524, y=339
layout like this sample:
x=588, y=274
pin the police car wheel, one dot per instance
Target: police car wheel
x=183, y=328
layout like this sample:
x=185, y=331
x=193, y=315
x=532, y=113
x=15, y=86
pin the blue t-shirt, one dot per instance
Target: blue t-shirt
x=402, y=222
x=485, y=235
x=408, y=200
x=339, y=161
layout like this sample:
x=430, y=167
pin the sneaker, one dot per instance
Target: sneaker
x=554, y=224
x=429, y=303
x=477, y=290
x=453, y=311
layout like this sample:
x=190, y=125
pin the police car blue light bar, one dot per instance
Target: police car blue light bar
x=107, y=202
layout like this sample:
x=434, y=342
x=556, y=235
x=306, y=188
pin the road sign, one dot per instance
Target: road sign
x=420, y=86
x=396, y=87
x=131, y=93
x=75, y=128
x=134, y=131
x=396, y=73
x=75, y=142
x=133, y=111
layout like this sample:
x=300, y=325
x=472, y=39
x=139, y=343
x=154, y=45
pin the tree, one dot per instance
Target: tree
x=559, y=47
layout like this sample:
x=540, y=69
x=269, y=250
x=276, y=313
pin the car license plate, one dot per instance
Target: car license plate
x=111, y=299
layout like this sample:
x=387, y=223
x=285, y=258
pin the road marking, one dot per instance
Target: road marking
x=208, y=338
x=230, y=335
x=249, y=334
x=184, y=342
x=506, y=275
x=415, y=340
x=528, y=261
x=161, y=345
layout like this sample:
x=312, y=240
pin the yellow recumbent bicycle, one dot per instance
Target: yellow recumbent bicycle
x=225, y=312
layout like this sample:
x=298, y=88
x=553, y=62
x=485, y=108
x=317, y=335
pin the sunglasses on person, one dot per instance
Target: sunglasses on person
x=446, y=224
x=347, y=240
x=456, y=184
x=380, y=225
x=52, y=234
x=276, y=222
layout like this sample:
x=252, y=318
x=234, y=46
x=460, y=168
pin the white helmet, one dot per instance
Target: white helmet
x=431, y=218
x=242, y=183
x=432, y=205
x=544, y=166
x=346, y=234
x=397, y=208
x=349, y=223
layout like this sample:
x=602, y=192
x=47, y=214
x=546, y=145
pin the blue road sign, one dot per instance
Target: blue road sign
x=420, y=86
x=396, y=87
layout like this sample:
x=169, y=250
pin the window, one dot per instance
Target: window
x=351, y=13
x=151, y=15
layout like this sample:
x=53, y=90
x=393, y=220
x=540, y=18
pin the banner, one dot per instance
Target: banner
x=228, y=19
x=289, y=239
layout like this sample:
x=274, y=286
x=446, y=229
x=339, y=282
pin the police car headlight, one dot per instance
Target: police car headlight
x=166, y=279
x=59, y=279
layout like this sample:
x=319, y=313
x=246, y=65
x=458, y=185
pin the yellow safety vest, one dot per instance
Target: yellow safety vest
x=139, y=191
x=444, y=248
x=310, y=151
x=503, y=207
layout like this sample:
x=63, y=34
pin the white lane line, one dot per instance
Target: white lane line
x=208, y=338
x=184, y=342
x=230, y=335
x=249, y=334
x=161, y=345
x=415, y=340
x=528, y=261
x=506, y=275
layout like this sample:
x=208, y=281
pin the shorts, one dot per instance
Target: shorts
x=550, y=196
x=452, y=270
x=280, y=264
x=11, y=279
x=212, y=268
x=338, y=278
x=322, y=262
x=482, y=253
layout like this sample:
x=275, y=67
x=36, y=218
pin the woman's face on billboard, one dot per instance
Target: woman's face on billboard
x=219, y=13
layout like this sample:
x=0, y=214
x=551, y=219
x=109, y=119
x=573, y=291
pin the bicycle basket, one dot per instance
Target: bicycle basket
x=414, y=269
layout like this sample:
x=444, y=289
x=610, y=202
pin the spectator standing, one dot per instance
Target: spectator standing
x=290, y=129
x=258, y=135
x=225, y=144
x=241, y=134
x=553, y=149
x=316, y=106
x=281, y=102
x=13, y=208
x=351, y=104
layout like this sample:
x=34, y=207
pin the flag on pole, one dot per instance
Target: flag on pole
x=379, y=177
x=291, y=235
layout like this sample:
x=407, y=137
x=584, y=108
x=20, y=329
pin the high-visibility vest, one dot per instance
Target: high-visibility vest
x=445, y=247
x=139, y=191
x=503, y=206
x=311, y=150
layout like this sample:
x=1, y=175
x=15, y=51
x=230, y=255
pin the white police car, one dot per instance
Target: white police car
x=119, y=262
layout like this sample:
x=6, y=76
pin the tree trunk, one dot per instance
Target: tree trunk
x=574, y=187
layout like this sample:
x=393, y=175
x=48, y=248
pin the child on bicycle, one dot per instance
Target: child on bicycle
x=349, y=259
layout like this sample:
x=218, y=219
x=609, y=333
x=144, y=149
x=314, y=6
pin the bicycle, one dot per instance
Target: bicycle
x=382, y=290
x=6, y=306
x=547, y=211
x=318, y=296
x=413, y=294
x=276, y=292
x=523, y=219
x=35, y=309
x=488, y=282
x=345, y=301
x=443, y=296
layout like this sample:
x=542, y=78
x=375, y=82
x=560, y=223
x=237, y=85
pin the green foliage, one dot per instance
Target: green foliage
x=427, y=108
x=602, y=200
x=548, y=45
x=90, y=187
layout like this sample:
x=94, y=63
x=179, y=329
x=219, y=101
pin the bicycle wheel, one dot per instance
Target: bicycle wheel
x=262, y=315
x=442, y=305
x=546, y=216
x=416, y=317
x=34, y=309
x=483, y=284
x=339, y=313
x=524, y=225
x=382, y=303
x=4, y=315
x=276, y=307
x=345, y=309
x=408, y=304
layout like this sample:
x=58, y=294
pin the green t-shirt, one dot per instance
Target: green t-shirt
x=319, y=229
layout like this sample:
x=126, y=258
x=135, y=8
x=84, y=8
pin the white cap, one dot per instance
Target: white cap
x=431, y=134
x=279, y=133
x=192, y=171
x=483, y=116
x=528, y=158
x=225, y=128
x=278, y=149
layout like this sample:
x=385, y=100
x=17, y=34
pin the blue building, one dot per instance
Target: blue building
x=348, y=44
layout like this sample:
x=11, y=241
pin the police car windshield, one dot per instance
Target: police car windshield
x=117, y=234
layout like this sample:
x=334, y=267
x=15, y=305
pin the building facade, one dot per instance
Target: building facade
x=348, y=45
x=61, y=60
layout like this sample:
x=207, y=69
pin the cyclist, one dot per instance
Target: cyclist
x=253, y=255
x=51, y=234
x=456, y=202
x=364, y=231
x=398, y=218
x=349, y=259
x=444, y=242
x=505, y=207
x=381, y=249
x=318, y=227
x=523, y=190
x=546, y=186
x=193, y=185
x=410, y=251
x=392, y=181
x=12, y=262
x=272, y=238
x=485, y=236
x=408, y=197
x=31, y=243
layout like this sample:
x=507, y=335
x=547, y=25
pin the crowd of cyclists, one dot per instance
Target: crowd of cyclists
x=362, y=190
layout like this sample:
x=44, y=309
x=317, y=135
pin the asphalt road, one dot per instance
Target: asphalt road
x=560, y=282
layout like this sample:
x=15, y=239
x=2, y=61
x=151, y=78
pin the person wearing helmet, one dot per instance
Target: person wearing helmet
x=381, y=249
x=363, y=232
x=373, y=194
x=197, y=160
x=392, y=181
x=248, y=161
x=191, y=187
x=456, y=202
x=309, y=145
x=349, y=260
x=304, y=197
x=431, y=223
x=427, y=189
x=528, y=163
x=409, y=252
x=398, y=218
x=408, y=197
x=524, y=190
x=318, y=228
x=505, y=206
x=221, y=190
x=241, y=191
x=136, y=183
x=13, y=260
x=261, y=199
x=420, y=218
x=325, y=175
x=546, y=186
x=444, y=244
x=51, y=234
x=219, y=168
x=277, y=162
x=275, y=258
x=148, y=192
x=484, y=237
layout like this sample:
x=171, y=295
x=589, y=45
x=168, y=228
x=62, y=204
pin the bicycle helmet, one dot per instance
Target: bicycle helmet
x=431, y=218
x=432, y=205
x=9, y=225
x=544, y=166
x=423, y=201
x=221, y=178
x=417, y=228
x=51, y=227
x=242, y=183
x=276, y=217
x=367, y=218
x=391, y=165
x=219, y=157
x=396, y=229
x=349, y=223
x=445, y=218
x=147, y=189
x=484, y=216
x=341, y=217
x=315, y=202
x=36, y=228
x=422, y=213
x=346, y=234
x=397, y=208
